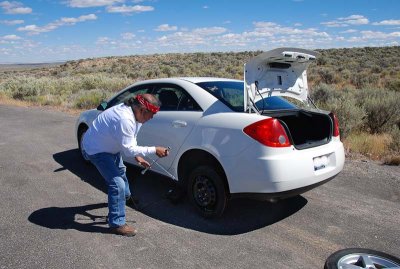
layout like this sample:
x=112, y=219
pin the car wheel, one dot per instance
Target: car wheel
x=81, y=132
x=207, y=192
x=361, y=258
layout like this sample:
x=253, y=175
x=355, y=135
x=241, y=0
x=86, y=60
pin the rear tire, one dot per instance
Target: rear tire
x=207, y=191
x=361, y=258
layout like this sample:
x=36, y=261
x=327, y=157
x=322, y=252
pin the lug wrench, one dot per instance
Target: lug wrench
x=153, y=162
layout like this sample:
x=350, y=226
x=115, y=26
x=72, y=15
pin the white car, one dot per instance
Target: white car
x=233, y=138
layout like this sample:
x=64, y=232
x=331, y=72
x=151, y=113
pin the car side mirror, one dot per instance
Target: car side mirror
x=102, y=106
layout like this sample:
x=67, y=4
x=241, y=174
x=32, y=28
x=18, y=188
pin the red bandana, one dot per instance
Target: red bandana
x=146, y=104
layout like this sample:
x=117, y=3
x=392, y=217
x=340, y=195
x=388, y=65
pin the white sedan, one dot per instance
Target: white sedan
x=233, y=138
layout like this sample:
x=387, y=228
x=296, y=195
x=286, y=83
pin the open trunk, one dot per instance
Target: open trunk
x=306, y=129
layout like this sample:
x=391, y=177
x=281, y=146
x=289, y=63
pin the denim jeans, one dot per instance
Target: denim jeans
x=113, y=170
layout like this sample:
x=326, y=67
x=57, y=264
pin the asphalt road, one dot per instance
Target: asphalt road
x=53, y=209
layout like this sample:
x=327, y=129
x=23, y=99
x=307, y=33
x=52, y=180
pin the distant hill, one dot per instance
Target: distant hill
x=27, y=66
x=347, y=67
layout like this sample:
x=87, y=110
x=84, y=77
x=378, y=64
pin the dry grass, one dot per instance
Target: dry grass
x=373, y=146
x=4, y=100
x=392, y=160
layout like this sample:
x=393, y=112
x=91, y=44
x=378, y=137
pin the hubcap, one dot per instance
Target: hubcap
x=363, y=260
x=204, y=192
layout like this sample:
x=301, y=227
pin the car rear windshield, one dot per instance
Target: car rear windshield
x=231, y=94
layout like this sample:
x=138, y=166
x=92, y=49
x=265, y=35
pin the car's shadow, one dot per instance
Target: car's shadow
x=241, y=215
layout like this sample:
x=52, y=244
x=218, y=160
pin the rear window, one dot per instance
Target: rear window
x=274, y=103
x=228, y=92
x=231, y=94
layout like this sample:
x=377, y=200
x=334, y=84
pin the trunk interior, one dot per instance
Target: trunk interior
x=305, y=128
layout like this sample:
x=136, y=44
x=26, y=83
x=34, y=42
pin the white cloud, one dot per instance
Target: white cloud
x=355, y=20
x=15, y=7
x=102, y=40
x=129, y=9
x=346, y=21
x=263, y=35
x=387, y=22
x=350, y=31
x=13, y=22
x=93, y=3
x=379, y=35
x=165, y=28
x=266, y=29
x=209, y=31
x=34, y=29
x=127, y=36
x=11, y=37
x=205, y=7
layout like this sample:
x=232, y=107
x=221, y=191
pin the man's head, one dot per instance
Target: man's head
x=144, y=106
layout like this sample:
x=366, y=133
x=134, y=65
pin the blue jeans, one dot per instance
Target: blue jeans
x=112, y=168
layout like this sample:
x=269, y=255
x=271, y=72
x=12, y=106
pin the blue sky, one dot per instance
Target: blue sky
x=57, y=30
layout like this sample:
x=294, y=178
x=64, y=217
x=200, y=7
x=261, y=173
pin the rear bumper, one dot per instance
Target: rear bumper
x=279, y=195
x=282, y=171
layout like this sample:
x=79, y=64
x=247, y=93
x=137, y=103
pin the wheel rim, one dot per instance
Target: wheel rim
x=204, y=192
x=366, y=261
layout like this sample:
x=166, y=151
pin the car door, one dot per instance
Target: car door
x=172, y=124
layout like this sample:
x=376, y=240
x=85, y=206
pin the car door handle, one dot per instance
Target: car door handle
x=179, y=123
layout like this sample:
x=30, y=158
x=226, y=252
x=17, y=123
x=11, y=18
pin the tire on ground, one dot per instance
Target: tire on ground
x=206, y=191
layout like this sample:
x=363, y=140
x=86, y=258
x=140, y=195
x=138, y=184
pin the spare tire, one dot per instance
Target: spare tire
x=361, y=258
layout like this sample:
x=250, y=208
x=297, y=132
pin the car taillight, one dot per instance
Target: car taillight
x=335, y=125
x=269, y=132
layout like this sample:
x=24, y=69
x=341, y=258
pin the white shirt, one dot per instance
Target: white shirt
x=115, y=130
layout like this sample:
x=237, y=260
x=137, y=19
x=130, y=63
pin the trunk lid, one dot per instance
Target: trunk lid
x=278, y=72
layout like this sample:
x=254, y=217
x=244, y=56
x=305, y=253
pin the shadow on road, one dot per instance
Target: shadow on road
x=78, y=218
x=241, y=215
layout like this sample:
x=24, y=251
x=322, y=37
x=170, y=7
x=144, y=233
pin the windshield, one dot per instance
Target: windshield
x=231, y=94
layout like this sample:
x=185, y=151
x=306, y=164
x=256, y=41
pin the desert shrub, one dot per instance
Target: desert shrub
x=382, y=109
x=327, y=75
x=360, y=79
x=322, y=93
x=393, y=85
x=343, y=104
x=89, y=99
x=100, y=81
x=394, y=146
x=27, y=88
x=350, y=116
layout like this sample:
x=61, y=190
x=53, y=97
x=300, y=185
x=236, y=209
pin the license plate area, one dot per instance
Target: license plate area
x=321, y=162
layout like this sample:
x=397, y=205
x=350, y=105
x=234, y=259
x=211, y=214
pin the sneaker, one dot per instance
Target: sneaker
x=124, y=230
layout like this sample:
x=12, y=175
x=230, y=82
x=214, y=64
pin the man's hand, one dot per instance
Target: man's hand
x=142, y=161
x=162, y=152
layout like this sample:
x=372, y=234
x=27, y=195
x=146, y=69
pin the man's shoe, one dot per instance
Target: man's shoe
x=124, y=230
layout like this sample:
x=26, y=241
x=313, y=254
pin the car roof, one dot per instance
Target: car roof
x=194, y=80
x=206, y=79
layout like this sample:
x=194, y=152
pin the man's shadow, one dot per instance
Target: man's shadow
x=78, y=218
x=241, y=215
